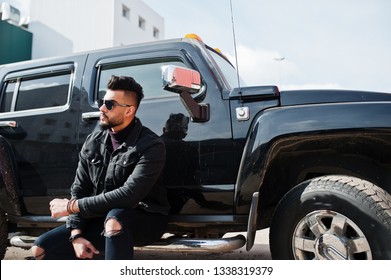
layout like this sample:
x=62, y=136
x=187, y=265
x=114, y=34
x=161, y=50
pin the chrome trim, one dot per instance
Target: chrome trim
x=8, y=124
x=89, y=116
x=199, y=245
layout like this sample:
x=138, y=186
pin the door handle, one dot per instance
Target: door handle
x=90, y=116
x=8, y=124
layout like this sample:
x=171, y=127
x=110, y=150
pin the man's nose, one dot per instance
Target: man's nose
x=103, y=108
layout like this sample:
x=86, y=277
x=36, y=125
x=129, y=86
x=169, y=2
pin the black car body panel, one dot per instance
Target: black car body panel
x=48, y=107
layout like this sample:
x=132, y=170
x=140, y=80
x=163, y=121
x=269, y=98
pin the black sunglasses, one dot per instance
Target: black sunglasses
x=110, y=103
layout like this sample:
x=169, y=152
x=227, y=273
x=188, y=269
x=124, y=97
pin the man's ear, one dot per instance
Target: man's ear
x=131, y=111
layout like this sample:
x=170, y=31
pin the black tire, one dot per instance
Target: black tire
x=332, y=217
x=3, y=234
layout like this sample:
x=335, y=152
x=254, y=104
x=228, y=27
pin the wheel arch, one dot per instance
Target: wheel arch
x=11, y=201
x=355, y=132
x=293, y=160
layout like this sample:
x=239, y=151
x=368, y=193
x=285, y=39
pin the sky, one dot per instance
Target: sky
x=325, y=43
x=295, y=44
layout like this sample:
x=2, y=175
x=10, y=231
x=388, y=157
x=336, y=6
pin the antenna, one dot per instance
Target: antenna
x=234, y=37
x=242, y=112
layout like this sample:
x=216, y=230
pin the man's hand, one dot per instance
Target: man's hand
x=58, y=207
x=84, y=248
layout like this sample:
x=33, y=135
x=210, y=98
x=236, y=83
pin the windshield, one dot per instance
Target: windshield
x=227, y=70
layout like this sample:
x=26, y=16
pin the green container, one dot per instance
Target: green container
x=15, y=43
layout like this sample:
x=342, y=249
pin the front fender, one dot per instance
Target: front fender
x=10, y=201
x=282, y=129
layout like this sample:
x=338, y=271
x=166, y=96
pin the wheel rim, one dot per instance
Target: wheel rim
x=328, y=235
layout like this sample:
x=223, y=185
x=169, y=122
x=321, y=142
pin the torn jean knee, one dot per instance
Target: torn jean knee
x=38, y=257
x=112, y=233
x=137, y=228
x=118, y=237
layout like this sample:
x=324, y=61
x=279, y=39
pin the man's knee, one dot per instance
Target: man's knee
x=112, y=227
x=38, y=252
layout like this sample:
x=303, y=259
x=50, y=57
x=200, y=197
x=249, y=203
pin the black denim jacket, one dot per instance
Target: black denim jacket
x=126, y=178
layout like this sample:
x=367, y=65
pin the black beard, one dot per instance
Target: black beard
x=104, y=126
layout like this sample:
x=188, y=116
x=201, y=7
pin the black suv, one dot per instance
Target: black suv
x=314, y=165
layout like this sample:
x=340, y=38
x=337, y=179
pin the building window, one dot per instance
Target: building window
x=141, y=23
x=125, y=12
x=156, y=33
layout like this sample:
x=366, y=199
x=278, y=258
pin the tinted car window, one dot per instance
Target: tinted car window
x=51, y=91
x=7, y=97
x=227, y=69
x=147, y=74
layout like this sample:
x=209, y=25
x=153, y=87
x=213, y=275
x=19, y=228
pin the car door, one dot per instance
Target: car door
x=39, y=113
x=198, y=171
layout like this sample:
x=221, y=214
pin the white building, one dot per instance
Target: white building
x=63, y=27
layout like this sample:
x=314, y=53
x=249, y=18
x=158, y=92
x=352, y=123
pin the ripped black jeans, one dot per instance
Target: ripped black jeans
x=139, y=228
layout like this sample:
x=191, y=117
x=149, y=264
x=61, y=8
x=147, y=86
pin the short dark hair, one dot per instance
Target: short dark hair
x=128, y=84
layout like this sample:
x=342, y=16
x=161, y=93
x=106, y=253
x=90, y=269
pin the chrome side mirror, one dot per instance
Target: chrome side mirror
x=179, y=79
x=185, y=82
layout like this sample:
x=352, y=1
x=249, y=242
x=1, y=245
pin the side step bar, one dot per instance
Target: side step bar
x=168, y=244
x=217, y=245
